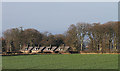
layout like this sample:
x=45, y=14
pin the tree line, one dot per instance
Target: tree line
x=87, y=37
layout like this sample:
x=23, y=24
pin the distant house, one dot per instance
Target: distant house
x=62, y=49
x=26, y=49
x=37, y=49
x=66, y=49
x=54, y=48
x=49, y=49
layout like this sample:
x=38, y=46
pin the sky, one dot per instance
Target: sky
x=56, y=17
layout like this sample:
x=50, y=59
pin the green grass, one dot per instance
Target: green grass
x=61, y=61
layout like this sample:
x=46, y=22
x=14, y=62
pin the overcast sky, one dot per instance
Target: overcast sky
x=56, y=17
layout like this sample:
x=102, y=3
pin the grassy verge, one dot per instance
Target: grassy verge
x=61, y=61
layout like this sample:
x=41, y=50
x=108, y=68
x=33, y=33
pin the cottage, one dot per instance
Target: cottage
x=26, y=49
x=54, y=49
x=62, y=49
x=66, y=49
x=49, y=49
x=37, y=49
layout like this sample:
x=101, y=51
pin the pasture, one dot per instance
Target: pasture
x=61, y=61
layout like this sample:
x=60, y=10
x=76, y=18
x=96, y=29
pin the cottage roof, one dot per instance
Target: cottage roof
x=49, y=49
x=26, y=48
x=62, y=48
x=39, y=49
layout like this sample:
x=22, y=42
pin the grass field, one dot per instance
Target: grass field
x=61, y=61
